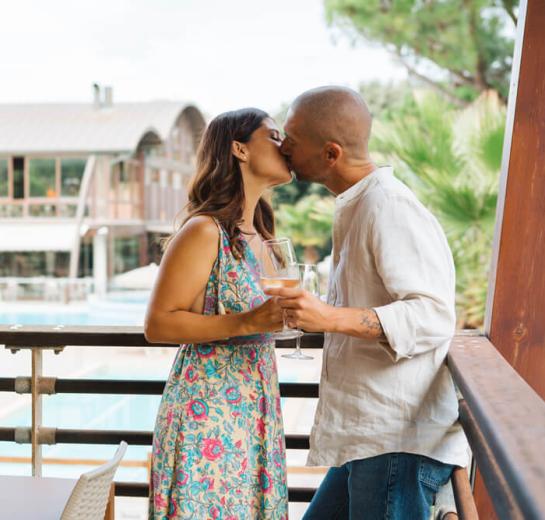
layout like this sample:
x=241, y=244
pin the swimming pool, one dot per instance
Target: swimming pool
x=88, y=411
x=121, y=308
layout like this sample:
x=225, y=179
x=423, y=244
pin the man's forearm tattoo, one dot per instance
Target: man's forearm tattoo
x=370, y=321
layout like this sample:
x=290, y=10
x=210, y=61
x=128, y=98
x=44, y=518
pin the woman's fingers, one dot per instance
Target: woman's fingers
x=290, y=303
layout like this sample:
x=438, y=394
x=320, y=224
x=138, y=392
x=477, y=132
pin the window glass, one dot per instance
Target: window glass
x=42, y=177
x=71, y=175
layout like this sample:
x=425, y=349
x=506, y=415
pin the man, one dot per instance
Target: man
x=387, y=418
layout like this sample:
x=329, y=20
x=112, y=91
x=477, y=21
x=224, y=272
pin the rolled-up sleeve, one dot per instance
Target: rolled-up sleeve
x=415, y=264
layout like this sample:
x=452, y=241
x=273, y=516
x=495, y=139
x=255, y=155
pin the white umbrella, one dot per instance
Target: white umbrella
x=139, y=278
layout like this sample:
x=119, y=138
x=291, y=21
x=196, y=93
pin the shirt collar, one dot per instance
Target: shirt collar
x=351, y=193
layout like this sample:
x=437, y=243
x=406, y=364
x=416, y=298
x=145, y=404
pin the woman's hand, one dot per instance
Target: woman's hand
x=267, y=317
x=303, y=310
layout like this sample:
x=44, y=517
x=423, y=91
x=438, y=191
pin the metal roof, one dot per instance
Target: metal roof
x=53, y=128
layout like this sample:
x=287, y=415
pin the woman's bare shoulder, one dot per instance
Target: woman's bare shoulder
x=199, y=232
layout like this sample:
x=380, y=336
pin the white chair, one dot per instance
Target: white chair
x=90, y=495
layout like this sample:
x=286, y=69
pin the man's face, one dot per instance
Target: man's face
x=301, y=152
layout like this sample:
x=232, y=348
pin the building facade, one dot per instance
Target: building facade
x=87, y=189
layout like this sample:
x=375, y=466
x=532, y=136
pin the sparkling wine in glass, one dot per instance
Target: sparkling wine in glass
x=309, y=281
x=279, y=268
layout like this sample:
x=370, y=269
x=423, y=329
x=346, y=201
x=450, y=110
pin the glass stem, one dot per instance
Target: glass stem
x=298, y=343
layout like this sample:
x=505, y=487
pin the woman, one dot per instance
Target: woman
x=218, y=446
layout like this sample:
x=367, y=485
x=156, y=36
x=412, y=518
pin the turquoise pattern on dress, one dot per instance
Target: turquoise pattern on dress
x=218, y=445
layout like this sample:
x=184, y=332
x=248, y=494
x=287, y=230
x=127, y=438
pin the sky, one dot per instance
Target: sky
x=218, y=54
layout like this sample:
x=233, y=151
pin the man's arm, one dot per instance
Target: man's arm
x=361, y=323
x=309, y=313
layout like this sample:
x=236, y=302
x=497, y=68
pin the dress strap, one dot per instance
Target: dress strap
x=222, y=246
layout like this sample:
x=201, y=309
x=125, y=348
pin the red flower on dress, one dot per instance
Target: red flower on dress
x=159, y=501
x=263, y=405
x=190, y=374
x=197, y=409
x=260, y=427
x=183, y=477
x=212, y=449
x=208, y=481
x=265, y=481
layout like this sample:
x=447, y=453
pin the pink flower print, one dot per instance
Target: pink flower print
x=197, y=409
x=172, y=512
x=244, y=464
x=206, y=350
x=231, y=517
x=159, y=501
x=263, y=405
x=170, y=416
x=257, y=300
x=212, y=449
x=265, y=481
x=209, y=482
x=252, y=354
x=277, y=458
x=232, y=275
x=278, y=405
x=226, y=249
x=214, y=512
x=260, y=425
x=232, y=395
x=182, y=479
x=246, y=375
x=191, y=374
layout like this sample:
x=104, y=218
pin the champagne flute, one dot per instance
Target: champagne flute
x=279, y=268
x=309, y=281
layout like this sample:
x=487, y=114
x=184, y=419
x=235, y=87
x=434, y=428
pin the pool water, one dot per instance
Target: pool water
x=120, y=308
x=88, y=411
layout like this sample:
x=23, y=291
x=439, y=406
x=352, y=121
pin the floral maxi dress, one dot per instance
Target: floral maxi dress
x=218, y=445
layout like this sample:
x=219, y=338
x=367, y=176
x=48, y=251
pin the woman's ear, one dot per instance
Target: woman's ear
x=240, y=151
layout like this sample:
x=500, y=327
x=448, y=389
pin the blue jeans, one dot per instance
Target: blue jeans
x=394, y=486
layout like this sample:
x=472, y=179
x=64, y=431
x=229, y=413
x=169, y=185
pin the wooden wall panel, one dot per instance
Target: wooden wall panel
x=516, y=309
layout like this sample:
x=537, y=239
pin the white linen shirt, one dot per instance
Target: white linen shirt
x=389, y=254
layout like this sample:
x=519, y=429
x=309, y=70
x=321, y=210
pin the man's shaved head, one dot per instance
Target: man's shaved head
x=336, y=114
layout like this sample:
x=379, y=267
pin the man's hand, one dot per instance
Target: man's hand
x=304, y=310
x=309, y=313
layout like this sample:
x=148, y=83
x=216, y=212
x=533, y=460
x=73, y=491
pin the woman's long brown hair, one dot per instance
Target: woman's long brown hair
x=217, y=189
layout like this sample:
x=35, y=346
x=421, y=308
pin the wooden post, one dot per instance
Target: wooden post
x=516, y=302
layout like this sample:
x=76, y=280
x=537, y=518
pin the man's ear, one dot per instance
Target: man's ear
x=240, y=151
x=332, y=152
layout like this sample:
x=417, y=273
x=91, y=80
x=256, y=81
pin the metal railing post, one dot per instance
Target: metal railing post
x=37, y=367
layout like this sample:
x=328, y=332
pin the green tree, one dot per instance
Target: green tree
x=451, y=158
x=459, y=47
x=308, y=223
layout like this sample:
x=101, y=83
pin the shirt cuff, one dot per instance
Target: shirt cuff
x=399, y=328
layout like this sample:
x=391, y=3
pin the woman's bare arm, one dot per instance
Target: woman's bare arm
x=173, y=316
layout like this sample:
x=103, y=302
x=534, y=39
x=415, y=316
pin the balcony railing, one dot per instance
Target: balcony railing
x=502, y=416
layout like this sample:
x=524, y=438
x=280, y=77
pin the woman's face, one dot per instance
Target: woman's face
x=265, y=160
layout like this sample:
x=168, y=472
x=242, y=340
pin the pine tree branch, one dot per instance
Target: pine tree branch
x=434, y=84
